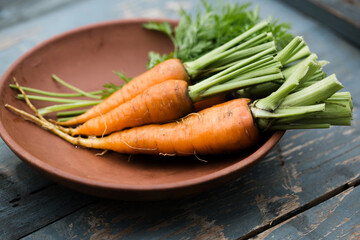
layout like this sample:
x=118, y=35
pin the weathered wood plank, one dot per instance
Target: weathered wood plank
x=268, y=191
x=325, y=157
x=15, y=11
x=18, y=39
x=341, y=16
x=254, y=200
x=337, y=218
x=29, y=201
x=16, y=178
x=25, y=214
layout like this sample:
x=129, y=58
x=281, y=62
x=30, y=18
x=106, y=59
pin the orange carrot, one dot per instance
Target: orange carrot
x=174, y=69
x=223, y=128
x=169, y=69
x=160, y=103
x=163, y=102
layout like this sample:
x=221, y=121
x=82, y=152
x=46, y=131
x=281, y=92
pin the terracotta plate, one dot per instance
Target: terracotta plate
x=86, y=58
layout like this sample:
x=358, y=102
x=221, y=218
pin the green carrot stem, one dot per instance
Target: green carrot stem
x=340, y=121
x=270, y=64
x=299, y=54
x=241, y=66
x=298, y=126
x=70, y=113
x=237, y=84
x=287, y=71
x=227, y=74
x=257, y=73
x=263, y=90
x=53, y=94
x=244, y=53
x=53, y=99
x=318, y=92
x=323, y=63
x=318, y=74
x=64, y=119
x=336, y=112
x=195, y=66
x=243, y=48
x=302, y=72
x=269, y=37
x=340, y=96
x=61, y=107
x=262, y=65
x=313, y=79
x=56, y=78
x=259, y=91
x=287, y=111
x=288, y=50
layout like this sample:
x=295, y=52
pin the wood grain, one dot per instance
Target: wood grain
x=267, y=192
x=29, y=201
x=337, y=218
x=342, y=16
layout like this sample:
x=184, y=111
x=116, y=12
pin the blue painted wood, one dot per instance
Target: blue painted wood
x=29, y=201
x=15, y=11
x=341, y=16
x=333, y=219
x=254, y=200
x=314, y=161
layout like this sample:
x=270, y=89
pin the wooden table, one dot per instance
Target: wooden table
x=305, y=188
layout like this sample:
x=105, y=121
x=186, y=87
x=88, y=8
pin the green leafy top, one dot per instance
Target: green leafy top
x=211, y=28
x=110, y=88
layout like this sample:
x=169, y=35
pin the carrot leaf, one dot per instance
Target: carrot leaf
x=164, y=27
x=122, y=76
x=156, y=58
x=212, y=27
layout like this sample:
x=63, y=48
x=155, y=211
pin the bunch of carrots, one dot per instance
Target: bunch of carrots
x=154, y=113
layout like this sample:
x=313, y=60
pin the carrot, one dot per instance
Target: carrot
x=170, y=69
x=175, y=70
x=226, y=127
x=171, y=99
x=160, y=103
x=223, y=128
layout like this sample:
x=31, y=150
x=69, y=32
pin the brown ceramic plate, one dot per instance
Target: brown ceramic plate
x=86, y=57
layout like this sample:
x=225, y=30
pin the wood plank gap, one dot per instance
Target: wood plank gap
x=354, y=183
x=55, y=220
x=42, y=188
x=303, y=208
x=332, y=158
x=330, y=17
x=281, y=156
